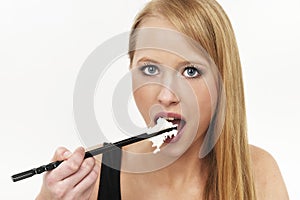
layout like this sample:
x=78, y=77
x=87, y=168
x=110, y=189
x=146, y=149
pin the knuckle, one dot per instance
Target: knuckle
x=93, y=174
x=72, y=196
x=86, y=195
x=56, y=190
x=93, y=177
x=88, y=163
x=96, y=170
x=73, y=165
x=59, y=193
x=50, y=181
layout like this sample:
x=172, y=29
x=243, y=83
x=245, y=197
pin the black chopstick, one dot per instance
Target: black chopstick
x=91, y=153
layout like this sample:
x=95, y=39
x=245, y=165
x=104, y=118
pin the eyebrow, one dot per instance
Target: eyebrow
x=147, y=59
x=150, y=60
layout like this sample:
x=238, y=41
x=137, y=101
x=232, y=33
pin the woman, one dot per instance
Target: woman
x=232, y=169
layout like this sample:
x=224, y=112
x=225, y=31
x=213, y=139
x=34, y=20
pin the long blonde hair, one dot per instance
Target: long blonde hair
x=230, y=174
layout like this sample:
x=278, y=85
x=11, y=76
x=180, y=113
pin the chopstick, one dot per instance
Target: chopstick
x=108, y=147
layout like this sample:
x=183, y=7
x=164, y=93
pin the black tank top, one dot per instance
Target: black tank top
x=109, y=187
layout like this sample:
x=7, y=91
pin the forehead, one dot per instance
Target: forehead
x=156, y=35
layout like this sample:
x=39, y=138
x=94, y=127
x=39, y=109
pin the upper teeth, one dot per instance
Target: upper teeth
x=169, y=118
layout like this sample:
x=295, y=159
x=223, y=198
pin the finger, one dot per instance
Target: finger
x=61, y=153
x=85, y=168
x=86, y=185
x=69, y=166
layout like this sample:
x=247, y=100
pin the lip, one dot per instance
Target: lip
x=172, y=115
x=168, y=114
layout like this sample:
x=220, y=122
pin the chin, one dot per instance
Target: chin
x=171, y=151
x=178, y=148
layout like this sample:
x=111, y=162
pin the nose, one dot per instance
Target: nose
x=167, y=98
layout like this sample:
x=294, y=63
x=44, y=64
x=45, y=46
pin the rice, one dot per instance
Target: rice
x=157, y=141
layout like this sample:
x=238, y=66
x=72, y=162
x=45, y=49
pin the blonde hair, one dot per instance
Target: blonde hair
x=230, y=174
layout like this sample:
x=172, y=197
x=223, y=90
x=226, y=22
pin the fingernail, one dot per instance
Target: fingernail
x=67, y=154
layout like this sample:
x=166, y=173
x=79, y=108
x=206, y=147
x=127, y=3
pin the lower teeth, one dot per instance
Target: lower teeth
x=169, y=137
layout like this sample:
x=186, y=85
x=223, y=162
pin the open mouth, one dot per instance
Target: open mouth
x=175, y=119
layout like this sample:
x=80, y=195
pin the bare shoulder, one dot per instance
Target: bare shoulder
x=268, y=180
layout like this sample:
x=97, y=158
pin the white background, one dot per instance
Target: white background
x=44, y=43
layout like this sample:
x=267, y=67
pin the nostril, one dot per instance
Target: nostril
x=167, y=97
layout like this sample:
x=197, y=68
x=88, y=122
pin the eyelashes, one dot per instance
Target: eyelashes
x=192, y=71
x=189, y=71
x=150, y=69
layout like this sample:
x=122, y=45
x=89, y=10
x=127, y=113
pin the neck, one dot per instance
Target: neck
x=186, y=169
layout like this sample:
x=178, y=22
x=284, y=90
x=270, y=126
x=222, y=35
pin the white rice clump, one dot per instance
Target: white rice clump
x=157, y=141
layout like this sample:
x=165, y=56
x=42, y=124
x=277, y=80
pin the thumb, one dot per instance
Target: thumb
x=61, y=153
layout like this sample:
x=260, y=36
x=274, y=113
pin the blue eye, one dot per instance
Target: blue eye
x=150, y=70
x=191, y=72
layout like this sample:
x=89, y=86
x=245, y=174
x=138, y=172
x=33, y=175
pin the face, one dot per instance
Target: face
x=173, y=82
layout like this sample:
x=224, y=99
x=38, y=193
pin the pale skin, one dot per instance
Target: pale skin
x=184, y=179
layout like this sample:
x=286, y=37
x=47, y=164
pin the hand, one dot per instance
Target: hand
x=72, y=179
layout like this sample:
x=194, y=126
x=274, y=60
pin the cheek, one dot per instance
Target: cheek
x=205, y=108
x=144, y=98
x=204, y=100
